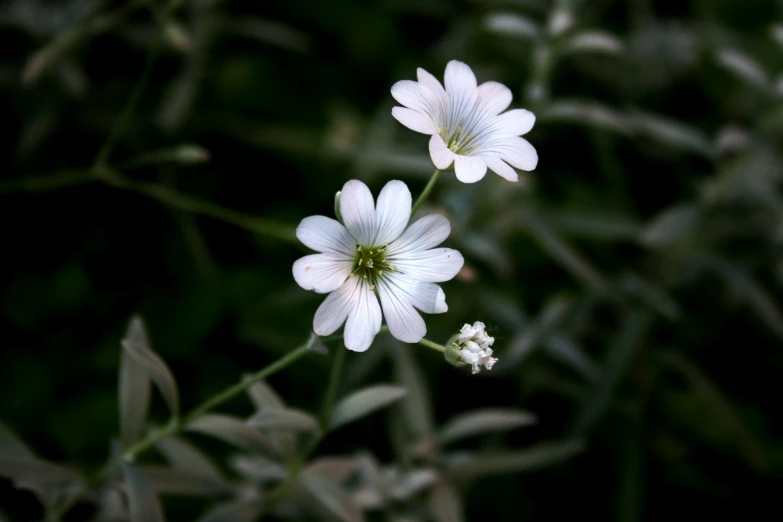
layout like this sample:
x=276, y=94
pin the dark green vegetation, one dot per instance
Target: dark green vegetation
x=632, y=283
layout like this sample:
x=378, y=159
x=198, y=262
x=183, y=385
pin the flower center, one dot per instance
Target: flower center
x=370, y=264
x=457, y=140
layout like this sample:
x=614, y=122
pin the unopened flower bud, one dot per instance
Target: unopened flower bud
x=471, y=346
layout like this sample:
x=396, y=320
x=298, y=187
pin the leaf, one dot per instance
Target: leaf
x=134, y=398
x=332, y=497
x=653, y=296
x=235, y=511
x=363, y=402
x=566, y=351
x=508, y=24
x=484, y=421
x=416, y=407
x=586, y=113
x=444, y=504
x=185, y=457
x=672, y=133
x=264, y=396
x=593, y=42
x=283, y=420
x=530, y=336
x=562, y=252
x=670, y=225
x=22, y=469
x=750, y=290
x=12, y=446
x=258, y=468
x=744, y=67
x=142, y=502
x=233, y=431
x=337, y=469
x=137, y=346
x=597, y=226
x=541, y=455
x=619, y=357
x=719, y=410
x=170, y=481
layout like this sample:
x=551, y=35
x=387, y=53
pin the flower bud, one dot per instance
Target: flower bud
x=471, y=346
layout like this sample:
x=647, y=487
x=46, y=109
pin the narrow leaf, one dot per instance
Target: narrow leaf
x=445, y=505
x=25, y=470
x=283, y=420
x=484, y=421
x=363, y=402
x=142, y=502
x=12, y=446
x=587, y=113
x=537, y=457
x=332, y=497
x=170, y=481
x=185, y=457
x=137, y=346
x=618, y=359
x=672, y=133
x=337, y=469
x=233, y=431
x=263, y=396
x=744, y=67
x=416, y=407
x=670, y=225
x=258, y=468
x=593, y=42
x=134, y=398
x=566, y=351
x=508, y=24
x=236, y=511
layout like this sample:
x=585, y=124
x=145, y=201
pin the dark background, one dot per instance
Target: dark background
x=632, y=281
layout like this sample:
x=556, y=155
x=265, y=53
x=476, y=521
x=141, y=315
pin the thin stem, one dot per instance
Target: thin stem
x=194, y=205
x=47, y=182
x=127, y=111
x=426, y=191
x=331, y=388
x=433, y=345
x=177, y=425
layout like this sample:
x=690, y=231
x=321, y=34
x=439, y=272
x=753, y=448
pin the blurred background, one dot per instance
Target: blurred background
x=632, y=282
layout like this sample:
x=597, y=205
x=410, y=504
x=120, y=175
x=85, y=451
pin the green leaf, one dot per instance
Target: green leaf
x=416, y=406
x=283, y=420
x=258, y=468
x=363, y=402
x=135, y=388
x=142, y=502
x=586, y=113
x=337, y=469
x=566, y=351
x=185, y=457
x=170, y=481
x=23, y=469
x=670, y=225
x=137, y=346
x=592, y=42
x=332, y=497
x=484, y=421
x=672, y=133
x=445, y=504
x=744, y=67
x=619, y=357
x=540, y=456
x=233, y=431
x=235, y=511
x=12, y=446
x=508, y=24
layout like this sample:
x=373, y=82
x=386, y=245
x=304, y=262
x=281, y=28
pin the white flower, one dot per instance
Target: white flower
x=472, y=346
x=466, y=123
x=373, y=255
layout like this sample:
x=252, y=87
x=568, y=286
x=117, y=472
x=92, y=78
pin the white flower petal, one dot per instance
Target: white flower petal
x=469, y=169
x=436, y=265
x=415, y=96
x=364, y=321
x=460, y=80
x=440, y=154
x=415, y=121
x=423, y=234
x=430, y=82
x=392, y=212
x=358, y=211
x=501, y=168
x=427, y=297
x=516, y=122
x=324, y=234
x=322, y=272
x=335, y=309
x=493, y=97
x=404, y=322
x=519, y=153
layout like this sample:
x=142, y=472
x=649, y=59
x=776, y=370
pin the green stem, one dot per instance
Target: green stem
x=194, y=205
x=331, y=388
x=177, y=425
x=130, y=106
x=426, y=191
x=433, y=345
x=46, y=182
